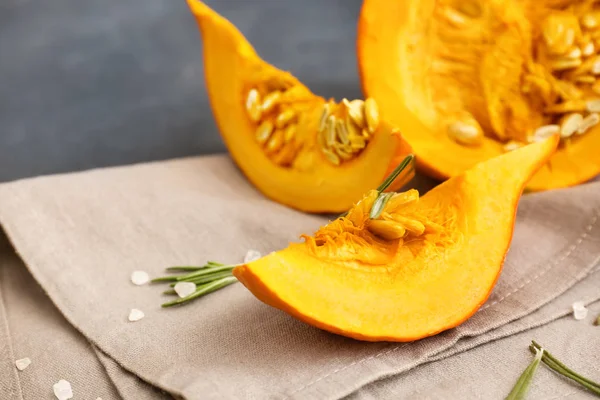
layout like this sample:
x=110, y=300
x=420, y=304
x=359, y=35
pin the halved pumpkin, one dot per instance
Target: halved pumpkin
x=423, y=265
x=297, y=148
x=466, y=80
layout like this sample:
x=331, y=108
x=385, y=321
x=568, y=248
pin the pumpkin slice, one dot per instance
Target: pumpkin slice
x=424, y=265
x=466, y=80
x=297, y=148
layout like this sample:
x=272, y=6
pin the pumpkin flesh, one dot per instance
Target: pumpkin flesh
x=432, y=63
x=350, y=281
x=297, y=174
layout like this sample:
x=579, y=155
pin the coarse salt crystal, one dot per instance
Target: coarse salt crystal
x=184, y=289
x=62, y=390
x=579, y=310
x=22, y=363
x=252, y=255
x=135, y=315
x=140, y=277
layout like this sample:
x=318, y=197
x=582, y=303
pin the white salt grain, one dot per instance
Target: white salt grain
x=135, y=315
x=579, y=310
x=22, y=363
x=252, y=255
x=184, y=289
x=140, y=277
x=62, y=390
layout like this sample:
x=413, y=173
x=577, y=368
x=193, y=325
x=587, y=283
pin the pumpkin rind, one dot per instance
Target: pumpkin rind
x=231, y=67
x=404, y=291
x=395, y=59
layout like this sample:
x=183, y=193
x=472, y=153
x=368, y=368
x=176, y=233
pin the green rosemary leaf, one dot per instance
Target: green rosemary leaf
x=522, y=386
x=408, y=160
x=170, y=291
x=565, y=371
x=205, y=271
x=379, y=205
x=184, y=268
x=203, y=290
x=172, y=278
x=206, y=278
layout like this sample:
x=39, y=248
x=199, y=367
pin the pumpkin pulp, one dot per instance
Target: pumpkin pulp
x=297, y=148
x=425, y=265
x=465, y=81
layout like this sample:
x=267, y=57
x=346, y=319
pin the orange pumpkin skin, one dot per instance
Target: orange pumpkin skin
x=297, y=174
x=398, y=67
x=349, y=280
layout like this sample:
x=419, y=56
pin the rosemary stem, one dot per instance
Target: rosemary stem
x=206, y=271
x=185, y=268
x=203, y=290
x=562, y=369
x=520, y=389
x=205, y=278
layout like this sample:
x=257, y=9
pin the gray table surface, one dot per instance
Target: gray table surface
x=93, y=83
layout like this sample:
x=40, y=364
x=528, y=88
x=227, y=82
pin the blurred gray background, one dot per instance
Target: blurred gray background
x=94, y=83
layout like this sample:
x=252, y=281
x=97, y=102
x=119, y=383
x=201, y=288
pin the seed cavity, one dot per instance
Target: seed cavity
x=560, y=78
x=343, y=130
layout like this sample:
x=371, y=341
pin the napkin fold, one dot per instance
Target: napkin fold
x=82, y=234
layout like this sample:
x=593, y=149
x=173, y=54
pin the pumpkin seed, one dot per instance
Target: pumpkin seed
x=371, y=114
x=331, y=156
x=585, y=79
x=324, y=116
x=330, y=138
x=512, y=145
x=588, y=49
x=365, y=134
x=588, y=122
x=464, y=133
x=574, y=53
x=288, y=134
x=351, y=128
x=563, y=64
x=357, y=142
x=569, y=124
x=253, y=105
x=387, y=230
x=544, y=132
x=410, y=225
x=344, y=155
x=264, y=131
x=593, y=105
x=342, y=133
x=270, y=101
x=590, y=20
x=454, y=17
x=285, y=117
x=275, y=143
x=356, y=109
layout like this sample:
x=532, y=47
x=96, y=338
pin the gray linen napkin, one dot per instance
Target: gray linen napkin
x=81, y=235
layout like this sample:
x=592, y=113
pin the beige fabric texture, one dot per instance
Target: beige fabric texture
x=81, y=235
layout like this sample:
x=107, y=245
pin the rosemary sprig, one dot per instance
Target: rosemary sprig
x=208, y=278
x=408, y=161
x=565, y=371
x=522, y=386
x=213, y=275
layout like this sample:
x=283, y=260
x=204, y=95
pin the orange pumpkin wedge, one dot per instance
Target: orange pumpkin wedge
x=467, y=80
x=424, y=265
x=297, y=148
